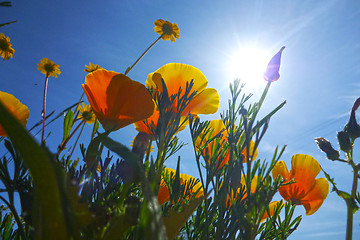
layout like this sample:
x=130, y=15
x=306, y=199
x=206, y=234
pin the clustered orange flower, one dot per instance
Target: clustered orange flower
x=116, y=100
x=16, y=108
x=305, y=190
x=176, y=76
x=217, y=126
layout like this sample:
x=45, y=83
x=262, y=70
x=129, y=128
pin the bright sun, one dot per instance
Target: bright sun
x=249, y=64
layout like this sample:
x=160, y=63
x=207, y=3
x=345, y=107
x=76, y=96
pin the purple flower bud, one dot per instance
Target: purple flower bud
x=272, y=71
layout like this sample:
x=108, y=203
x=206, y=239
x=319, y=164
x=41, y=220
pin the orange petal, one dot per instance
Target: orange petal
x=205, y=102
x=304, y=170
x=164, y=195
x=315, y=198
x=142, y=126
x=116, y=99
x=280, y=169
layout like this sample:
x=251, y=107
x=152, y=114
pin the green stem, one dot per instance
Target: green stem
x=262, y=98
x=350, y=212
x=77, y=139
x=63, y=144
x=44, y=109
x=138, y=60
x=17, y=218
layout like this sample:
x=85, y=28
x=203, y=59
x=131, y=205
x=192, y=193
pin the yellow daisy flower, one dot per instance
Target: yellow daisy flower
x=91, y=67
x=86, y=113
x=48, y=68
x=167, y=30
x=14, y=106
x=6, y=51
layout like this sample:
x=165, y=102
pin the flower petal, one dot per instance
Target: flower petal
x=272, y=207
x=176, y=75
x=304, y=170
x=205, y=102
x=16, y=108
x=116, y=99
x=315, y=198
x=280, y=169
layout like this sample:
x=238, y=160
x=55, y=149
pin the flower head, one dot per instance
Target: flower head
x=116, y=100
x=92, y=67
x=176, y=76
x=305, y=190
x=19, y=110
x=48, y=68
x=6, y=51
x=167, y=29
x=216, y=127
x=272, y=71
x=86, y=113
x=164, y=195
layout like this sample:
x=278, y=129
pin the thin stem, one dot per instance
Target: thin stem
x=44, y=109
x=138, y=60
x=63, y=144
x=17, y=218
x=350, y=212
x=77, y=139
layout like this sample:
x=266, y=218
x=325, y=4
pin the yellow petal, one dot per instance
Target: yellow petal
x=272, y=207
x=176, y=220
x=16, y=108
x=205, y=102
x=176, y=75
x=280, y=169
x=315, y=198
x=251, y=152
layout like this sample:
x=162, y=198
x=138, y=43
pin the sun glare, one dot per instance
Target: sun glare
x=249, y=64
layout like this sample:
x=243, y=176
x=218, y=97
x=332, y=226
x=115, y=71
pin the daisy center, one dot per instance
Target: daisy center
x=167, y=29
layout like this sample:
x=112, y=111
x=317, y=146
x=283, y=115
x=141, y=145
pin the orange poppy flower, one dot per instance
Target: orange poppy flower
x=14, y=106
x=176, y=76
x=164, y=195
x=116, y=100
x=306, y=190
x=218, y=126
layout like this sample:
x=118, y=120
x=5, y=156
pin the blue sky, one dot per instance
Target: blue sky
x=320, y=69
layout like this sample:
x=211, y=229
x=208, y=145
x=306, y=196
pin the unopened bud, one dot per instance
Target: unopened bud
x=326, y=147
x=352, y=127
x=344, y=141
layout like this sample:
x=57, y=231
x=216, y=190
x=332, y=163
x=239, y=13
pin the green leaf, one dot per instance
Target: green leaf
x=68, y=123
x=51, y=224
x=151, y=225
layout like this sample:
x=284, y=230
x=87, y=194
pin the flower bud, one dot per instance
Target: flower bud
x=344, y=141
x=352, y=128
x=272, y=71
x=326, y=147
